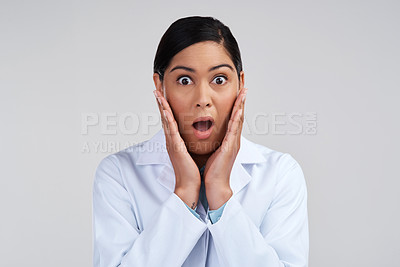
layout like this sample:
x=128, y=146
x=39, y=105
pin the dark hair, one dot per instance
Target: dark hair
x=190, y=30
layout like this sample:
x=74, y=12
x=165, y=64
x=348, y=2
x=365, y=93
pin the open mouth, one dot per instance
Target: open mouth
x=202, y=127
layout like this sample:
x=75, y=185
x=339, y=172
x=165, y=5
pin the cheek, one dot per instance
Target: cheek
x=225, y=106
x=177, y=102
x=182, y=114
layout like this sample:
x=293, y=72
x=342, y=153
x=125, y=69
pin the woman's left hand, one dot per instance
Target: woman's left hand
x=219, y=165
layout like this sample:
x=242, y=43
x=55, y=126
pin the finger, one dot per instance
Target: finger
x=239, y=104
x=239, y=101
x=160, y=108
x=242, y=107
x=233, y=130
x=170, y=120
x=234, y=120
x=164, y=102
x=174, y=139
x=172, y=125
x=177, y=141
x=233, y=133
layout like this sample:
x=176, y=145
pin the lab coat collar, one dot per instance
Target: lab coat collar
x=154, y=152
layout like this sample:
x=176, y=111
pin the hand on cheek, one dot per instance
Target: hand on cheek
x=219, y=165
x=187, y=175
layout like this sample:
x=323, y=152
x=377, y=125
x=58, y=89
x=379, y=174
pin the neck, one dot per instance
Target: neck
x=200, y=160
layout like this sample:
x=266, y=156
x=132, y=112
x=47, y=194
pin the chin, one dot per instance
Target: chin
x=203, y=146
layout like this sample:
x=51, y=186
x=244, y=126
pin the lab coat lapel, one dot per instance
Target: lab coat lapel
x=167, y=178
x=239, y=178
x=154, y=152
x=246, y=158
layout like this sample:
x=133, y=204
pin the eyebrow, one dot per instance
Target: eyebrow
x=211, y=69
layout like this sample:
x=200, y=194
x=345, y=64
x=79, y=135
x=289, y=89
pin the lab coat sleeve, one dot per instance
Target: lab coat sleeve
x=282, y=238
x=166, y=241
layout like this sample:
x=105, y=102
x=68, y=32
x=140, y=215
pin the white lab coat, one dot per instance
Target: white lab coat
x=139, y=221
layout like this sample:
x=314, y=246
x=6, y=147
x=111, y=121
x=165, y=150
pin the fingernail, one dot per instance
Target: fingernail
x=244, y=98
x=155, y=93
x=159, y=100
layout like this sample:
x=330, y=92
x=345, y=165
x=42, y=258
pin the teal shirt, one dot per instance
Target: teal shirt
x=213, y=215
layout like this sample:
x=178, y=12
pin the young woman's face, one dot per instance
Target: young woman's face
x=201, y=83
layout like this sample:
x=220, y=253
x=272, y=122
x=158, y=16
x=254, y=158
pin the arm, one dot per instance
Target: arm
x=281, y=240
x=117, y=239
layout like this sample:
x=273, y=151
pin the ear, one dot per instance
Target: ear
x=241, y=82
x=158, y=83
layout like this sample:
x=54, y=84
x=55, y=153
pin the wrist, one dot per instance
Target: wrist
x=217, y=197
x=189, y=195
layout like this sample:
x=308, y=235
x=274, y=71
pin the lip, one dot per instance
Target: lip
x=203, y=134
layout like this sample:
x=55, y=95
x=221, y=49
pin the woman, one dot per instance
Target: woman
x=198, y=193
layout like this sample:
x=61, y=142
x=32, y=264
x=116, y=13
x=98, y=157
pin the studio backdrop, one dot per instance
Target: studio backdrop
x=76, y=85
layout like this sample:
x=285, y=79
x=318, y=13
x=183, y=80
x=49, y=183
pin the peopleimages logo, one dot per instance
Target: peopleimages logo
x=97, y=128
x=113, y=123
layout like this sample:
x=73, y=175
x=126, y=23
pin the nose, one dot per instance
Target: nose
x=203, y=97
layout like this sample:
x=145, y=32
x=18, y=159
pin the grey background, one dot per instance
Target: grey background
x=61, y=60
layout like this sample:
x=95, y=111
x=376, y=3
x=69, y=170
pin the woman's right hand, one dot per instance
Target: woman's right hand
x=187, y=175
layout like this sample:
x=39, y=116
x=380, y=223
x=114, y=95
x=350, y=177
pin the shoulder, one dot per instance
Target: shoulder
x=285, y=167
x=114, y=165
x=283, y=160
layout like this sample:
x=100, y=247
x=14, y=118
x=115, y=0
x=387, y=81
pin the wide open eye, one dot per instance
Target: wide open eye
x=184, y=80
x=220, y=80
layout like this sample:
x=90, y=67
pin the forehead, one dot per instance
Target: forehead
x=201, y=55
